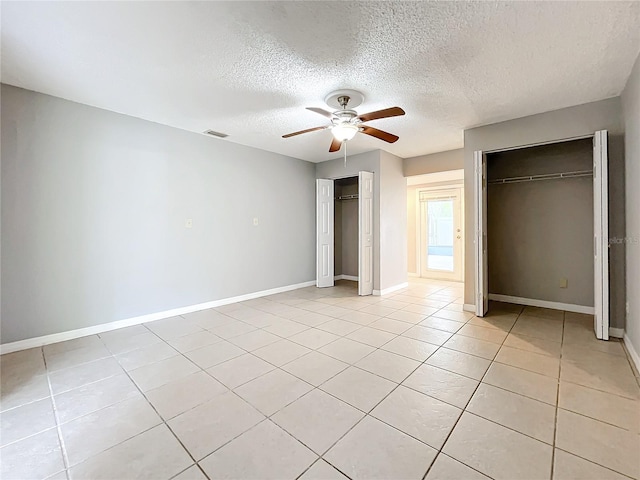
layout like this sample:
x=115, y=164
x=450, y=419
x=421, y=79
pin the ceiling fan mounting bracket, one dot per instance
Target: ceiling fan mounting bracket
x=336, y=99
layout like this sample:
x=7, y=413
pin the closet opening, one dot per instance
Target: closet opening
x=541, y=219
x=344, y=226
x=345, y=237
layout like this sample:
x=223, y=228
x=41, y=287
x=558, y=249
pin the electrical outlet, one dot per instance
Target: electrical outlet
x=563, y=283
x=255, y=221
x=188, y=223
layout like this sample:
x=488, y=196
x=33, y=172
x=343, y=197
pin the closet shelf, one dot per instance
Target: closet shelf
x=347, y=197
x=546, y=176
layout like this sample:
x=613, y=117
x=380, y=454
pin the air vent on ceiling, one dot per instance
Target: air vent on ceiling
x=213, y=133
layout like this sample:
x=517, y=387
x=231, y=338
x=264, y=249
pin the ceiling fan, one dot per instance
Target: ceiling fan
x=345, y=122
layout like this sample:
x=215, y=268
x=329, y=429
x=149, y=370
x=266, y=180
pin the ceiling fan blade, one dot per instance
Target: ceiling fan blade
x=322, y=112
x=374, y=132
x=387, y=112
x=303, y=131
x=335, y=145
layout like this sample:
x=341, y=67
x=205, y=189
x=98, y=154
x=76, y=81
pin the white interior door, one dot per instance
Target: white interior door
x=365, y=233
x=601, y=235
x=441, y=234
x=324, y=233
x=482, y=265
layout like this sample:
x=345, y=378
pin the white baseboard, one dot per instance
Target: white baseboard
x=388, y=290
x=353, y=278
x=532, y=302
x=632, y=351
x=469, y=307
x=417, y=275
x=616, y=332
x=128, y=322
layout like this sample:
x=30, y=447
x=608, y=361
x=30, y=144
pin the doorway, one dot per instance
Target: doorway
x=352, y=252
x=597, y=246
x=441, y=234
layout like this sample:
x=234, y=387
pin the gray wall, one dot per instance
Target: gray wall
x=542, y=231
x=631, y=109
x=434, y=162
x=363, y=162
x=93, y=211
x=546, y=127
x=393, y=222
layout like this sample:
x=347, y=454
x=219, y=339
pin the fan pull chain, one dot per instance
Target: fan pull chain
x=345, y=154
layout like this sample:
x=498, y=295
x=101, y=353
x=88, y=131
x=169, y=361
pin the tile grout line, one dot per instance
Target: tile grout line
x=140, y=391
x=63, y=448
x=378, y=348
x=558, y=408
x=465, y=410
x=347, y=363
x=163, y=421
x=368, y=413
x=555, y=420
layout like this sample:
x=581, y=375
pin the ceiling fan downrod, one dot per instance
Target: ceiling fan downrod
x=344, y=101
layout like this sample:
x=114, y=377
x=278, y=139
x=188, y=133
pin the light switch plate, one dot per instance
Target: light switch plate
x=188, y=223
x=255, y=221
x=563, y=283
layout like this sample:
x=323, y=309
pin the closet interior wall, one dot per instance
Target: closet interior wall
x=541, y=231
x=346, y=228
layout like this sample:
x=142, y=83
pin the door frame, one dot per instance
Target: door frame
x=366, y=289
x=481, y=294
x=365, y=233
x=601, y=233
x=458, y=192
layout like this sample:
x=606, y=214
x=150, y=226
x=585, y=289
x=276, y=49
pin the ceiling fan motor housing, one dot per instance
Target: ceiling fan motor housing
x=344, y=116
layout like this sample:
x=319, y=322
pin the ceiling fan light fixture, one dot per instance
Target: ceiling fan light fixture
x=344, y=131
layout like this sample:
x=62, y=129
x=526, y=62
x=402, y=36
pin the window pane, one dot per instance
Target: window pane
x=440, y=236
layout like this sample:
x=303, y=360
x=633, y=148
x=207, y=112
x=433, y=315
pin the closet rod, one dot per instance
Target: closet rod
x=546, y=176
x=347, y=197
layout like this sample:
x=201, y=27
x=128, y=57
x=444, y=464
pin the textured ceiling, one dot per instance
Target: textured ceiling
x=249, y=68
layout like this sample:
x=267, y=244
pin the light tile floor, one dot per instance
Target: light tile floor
x=323, y=384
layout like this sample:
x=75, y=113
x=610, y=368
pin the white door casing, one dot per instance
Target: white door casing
x=365, y=233
x=324, y=233
x=482, y=266
x=601, y=235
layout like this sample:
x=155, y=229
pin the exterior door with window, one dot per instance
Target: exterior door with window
x=441, y=238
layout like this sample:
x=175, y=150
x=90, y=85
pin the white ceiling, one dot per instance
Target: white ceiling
x=249, y=68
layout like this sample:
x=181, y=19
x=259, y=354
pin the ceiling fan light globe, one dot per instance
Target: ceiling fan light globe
x=344, y=131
